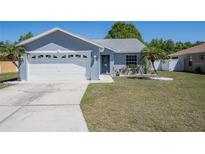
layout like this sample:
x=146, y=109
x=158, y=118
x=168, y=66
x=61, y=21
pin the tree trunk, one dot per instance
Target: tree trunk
x=145, y=68
x=14, y=62
x=154, y=67
x=17, y=66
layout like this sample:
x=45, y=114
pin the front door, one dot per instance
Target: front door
x=105, y=65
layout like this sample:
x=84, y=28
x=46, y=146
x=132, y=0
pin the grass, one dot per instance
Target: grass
x=7, y=77
x=132, y=104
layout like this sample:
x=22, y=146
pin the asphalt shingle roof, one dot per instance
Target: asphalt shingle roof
x=116, y=45
x=196, y=49
x=122, y=45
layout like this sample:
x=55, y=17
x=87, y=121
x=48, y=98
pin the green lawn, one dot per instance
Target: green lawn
x=132, y=104
x=7, y=76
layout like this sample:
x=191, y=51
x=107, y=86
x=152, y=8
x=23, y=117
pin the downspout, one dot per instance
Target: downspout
x=27, y=67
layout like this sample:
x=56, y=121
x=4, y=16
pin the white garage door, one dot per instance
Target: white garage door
x=59, y=66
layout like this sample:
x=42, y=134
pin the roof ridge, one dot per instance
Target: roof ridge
x=118, y=39
x=194, y=49
x=40, y=35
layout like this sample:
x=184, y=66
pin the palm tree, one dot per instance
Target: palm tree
x=152, y=54
x=2, y=45
x=13, y=53
x=25, y=37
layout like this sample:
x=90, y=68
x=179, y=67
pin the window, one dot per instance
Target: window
x=54, y=56
x=202, y=57
x=190, y=60
x=64, y=56
x=48, y=56
x=69, y=56
x=85, y=56
x=78, y=56
x=33, y=57
x=40, y=56
x=131, y=59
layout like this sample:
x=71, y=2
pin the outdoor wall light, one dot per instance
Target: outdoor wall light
x=95, y=58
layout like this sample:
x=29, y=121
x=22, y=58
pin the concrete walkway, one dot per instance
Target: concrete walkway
x=42, y=107
x=103, y=79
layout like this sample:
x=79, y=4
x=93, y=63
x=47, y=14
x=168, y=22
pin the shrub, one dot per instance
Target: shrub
x=124, y=70
x=198, y=70
x=133, y=68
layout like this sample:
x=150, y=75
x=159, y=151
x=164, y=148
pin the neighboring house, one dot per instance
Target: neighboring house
x=188, y=60
x=193, y=58
x=60, y=55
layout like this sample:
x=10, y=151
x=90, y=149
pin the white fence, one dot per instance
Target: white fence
x=170, y=65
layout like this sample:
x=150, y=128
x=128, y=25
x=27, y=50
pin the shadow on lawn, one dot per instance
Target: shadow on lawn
x=12, y=79
x=139, y=78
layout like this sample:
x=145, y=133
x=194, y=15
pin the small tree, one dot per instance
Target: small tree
x=1, y=45
x=13, y=53
x=152, y=54
x=122, y=30
x=25, y=37
x=144, y=62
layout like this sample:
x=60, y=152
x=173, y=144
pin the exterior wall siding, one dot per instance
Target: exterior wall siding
x=120, y=60
x=117, y=60
x=196, y=62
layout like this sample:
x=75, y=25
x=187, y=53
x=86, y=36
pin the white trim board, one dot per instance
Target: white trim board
x=54, y=30
x=58, y=51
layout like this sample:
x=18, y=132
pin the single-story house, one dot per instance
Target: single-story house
x=192, y=59
x=60, y=55
x=188, y=60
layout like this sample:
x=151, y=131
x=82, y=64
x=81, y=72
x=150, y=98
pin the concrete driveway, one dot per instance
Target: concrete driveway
x=42, y=106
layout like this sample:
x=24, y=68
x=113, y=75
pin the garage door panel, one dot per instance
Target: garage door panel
x=70, y=61
x=56, y=67
x=66, y=69
x=57, y=77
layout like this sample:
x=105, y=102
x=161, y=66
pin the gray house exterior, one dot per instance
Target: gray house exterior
x=60, y=55
x=118, y=50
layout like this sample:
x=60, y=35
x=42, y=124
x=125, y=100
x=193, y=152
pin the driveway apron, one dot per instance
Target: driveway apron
x=42, y=106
